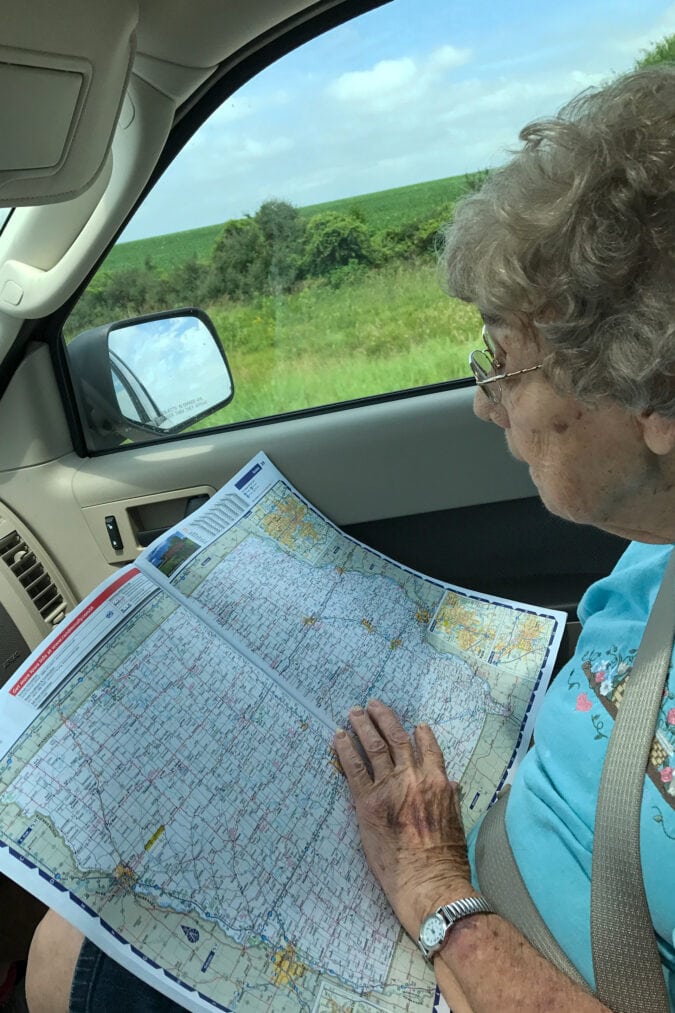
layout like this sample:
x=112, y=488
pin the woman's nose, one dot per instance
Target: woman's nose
x=481, y=405
x=488, y=411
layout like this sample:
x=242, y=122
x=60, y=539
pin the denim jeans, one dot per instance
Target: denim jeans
x=102, y=986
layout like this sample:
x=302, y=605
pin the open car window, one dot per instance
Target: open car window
x=305, y=216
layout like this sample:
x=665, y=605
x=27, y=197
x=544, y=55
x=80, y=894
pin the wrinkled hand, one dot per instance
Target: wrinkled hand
x=408, y=813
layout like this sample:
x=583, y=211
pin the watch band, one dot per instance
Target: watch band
x=436, y=926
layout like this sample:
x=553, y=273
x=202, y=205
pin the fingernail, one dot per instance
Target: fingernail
x=340, y=733
x=358, y=711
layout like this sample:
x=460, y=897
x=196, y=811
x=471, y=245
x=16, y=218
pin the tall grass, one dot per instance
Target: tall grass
x=385, y=330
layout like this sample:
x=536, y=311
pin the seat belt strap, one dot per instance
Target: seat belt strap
x=626, y=962
x=627, y=967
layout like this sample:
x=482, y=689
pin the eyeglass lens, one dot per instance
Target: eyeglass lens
x=485, y=364
x=482, y=365
x=494, y=351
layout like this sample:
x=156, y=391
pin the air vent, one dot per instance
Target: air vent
x=33, y=577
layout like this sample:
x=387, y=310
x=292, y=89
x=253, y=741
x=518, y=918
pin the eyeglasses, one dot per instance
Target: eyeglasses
x=485, y=366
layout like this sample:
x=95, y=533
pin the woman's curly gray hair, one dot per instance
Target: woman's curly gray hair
x=577, y=235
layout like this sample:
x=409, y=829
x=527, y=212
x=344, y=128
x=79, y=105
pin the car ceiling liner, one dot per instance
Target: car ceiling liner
x=61, y=104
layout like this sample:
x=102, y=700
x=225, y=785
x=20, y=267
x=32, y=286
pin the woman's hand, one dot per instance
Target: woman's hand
x=408, y=813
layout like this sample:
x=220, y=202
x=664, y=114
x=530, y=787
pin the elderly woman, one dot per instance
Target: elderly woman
x=569, y=254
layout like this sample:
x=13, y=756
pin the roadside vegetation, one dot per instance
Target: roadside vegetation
x=277, y=251
x=313, y=305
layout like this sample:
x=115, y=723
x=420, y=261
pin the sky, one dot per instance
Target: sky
x=414, y=91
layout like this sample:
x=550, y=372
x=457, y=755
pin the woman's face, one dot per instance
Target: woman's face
x=590, y=465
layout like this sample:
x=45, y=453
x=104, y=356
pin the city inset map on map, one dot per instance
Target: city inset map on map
x=167, y=780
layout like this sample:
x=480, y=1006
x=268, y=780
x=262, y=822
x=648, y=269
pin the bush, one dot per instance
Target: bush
x=349, y=274
x=419, y=238
x=473, y=181
x=334, y=240
x=258, y=256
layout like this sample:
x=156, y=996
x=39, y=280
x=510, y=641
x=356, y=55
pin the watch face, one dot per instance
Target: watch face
x=432, y=931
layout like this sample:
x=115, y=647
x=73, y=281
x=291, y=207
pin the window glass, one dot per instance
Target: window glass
x=304, y=215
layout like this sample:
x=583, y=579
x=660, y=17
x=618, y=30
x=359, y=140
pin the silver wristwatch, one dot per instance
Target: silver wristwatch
x=434, y=929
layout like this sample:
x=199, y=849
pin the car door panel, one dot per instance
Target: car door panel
x=418, y=477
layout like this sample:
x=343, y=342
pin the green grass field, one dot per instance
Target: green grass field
x=391, y=329
x=386, y=209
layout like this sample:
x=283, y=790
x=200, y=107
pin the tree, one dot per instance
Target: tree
x=283, y=230
x=239, y=259
x=185, y=285
x=417, y=238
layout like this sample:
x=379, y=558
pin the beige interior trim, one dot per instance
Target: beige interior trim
x=343, y=461
x=132, y=516
x=64, y=69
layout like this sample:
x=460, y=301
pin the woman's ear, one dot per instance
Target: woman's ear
x=658, y=432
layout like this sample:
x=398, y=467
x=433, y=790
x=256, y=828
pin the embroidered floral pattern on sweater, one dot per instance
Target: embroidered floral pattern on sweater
x=606, y=675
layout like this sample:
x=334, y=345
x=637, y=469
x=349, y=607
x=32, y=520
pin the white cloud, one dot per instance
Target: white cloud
x=386, y=78
x=228, y=153
x=232, y=111
x=582, y=79
x=473, y=100
x=253, y=149
x=393, y=83
x=448, y=57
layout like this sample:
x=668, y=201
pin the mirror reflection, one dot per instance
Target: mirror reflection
x=167, y=371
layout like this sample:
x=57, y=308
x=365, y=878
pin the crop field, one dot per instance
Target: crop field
x=165, y=252
x=386, y=209
x=389, y=209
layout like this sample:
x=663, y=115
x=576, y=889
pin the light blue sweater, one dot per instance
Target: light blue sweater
x=551, y=811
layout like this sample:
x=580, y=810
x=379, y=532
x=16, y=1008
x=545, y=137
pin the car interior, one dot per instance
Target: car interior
x=103, y=100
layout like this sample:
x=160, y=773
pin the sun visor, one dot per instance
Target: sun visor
x=64, y=68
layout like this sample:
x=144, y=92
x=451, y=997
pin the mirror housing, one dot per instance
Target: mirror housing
x=151, y=376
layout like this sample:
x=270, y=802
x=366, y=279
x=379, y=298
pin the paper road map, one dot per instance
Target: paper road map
x=167, y=780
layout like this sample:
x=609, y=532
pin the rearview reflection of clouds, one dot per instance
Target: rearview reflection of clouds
x=177, y=361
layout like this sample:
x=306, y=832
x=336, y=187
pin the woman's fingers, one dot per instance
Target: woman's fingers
x=386, y=745
x=356, y=772
x=392, y=732
x=374, y=745
x=429, y=752
x=384, y=741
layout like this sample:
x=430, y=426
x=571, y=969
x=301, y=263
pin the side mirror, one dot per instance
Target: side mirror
x=137, y=380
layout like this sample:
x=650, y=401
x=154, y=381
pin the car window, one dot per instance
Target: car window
x=305, y=215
